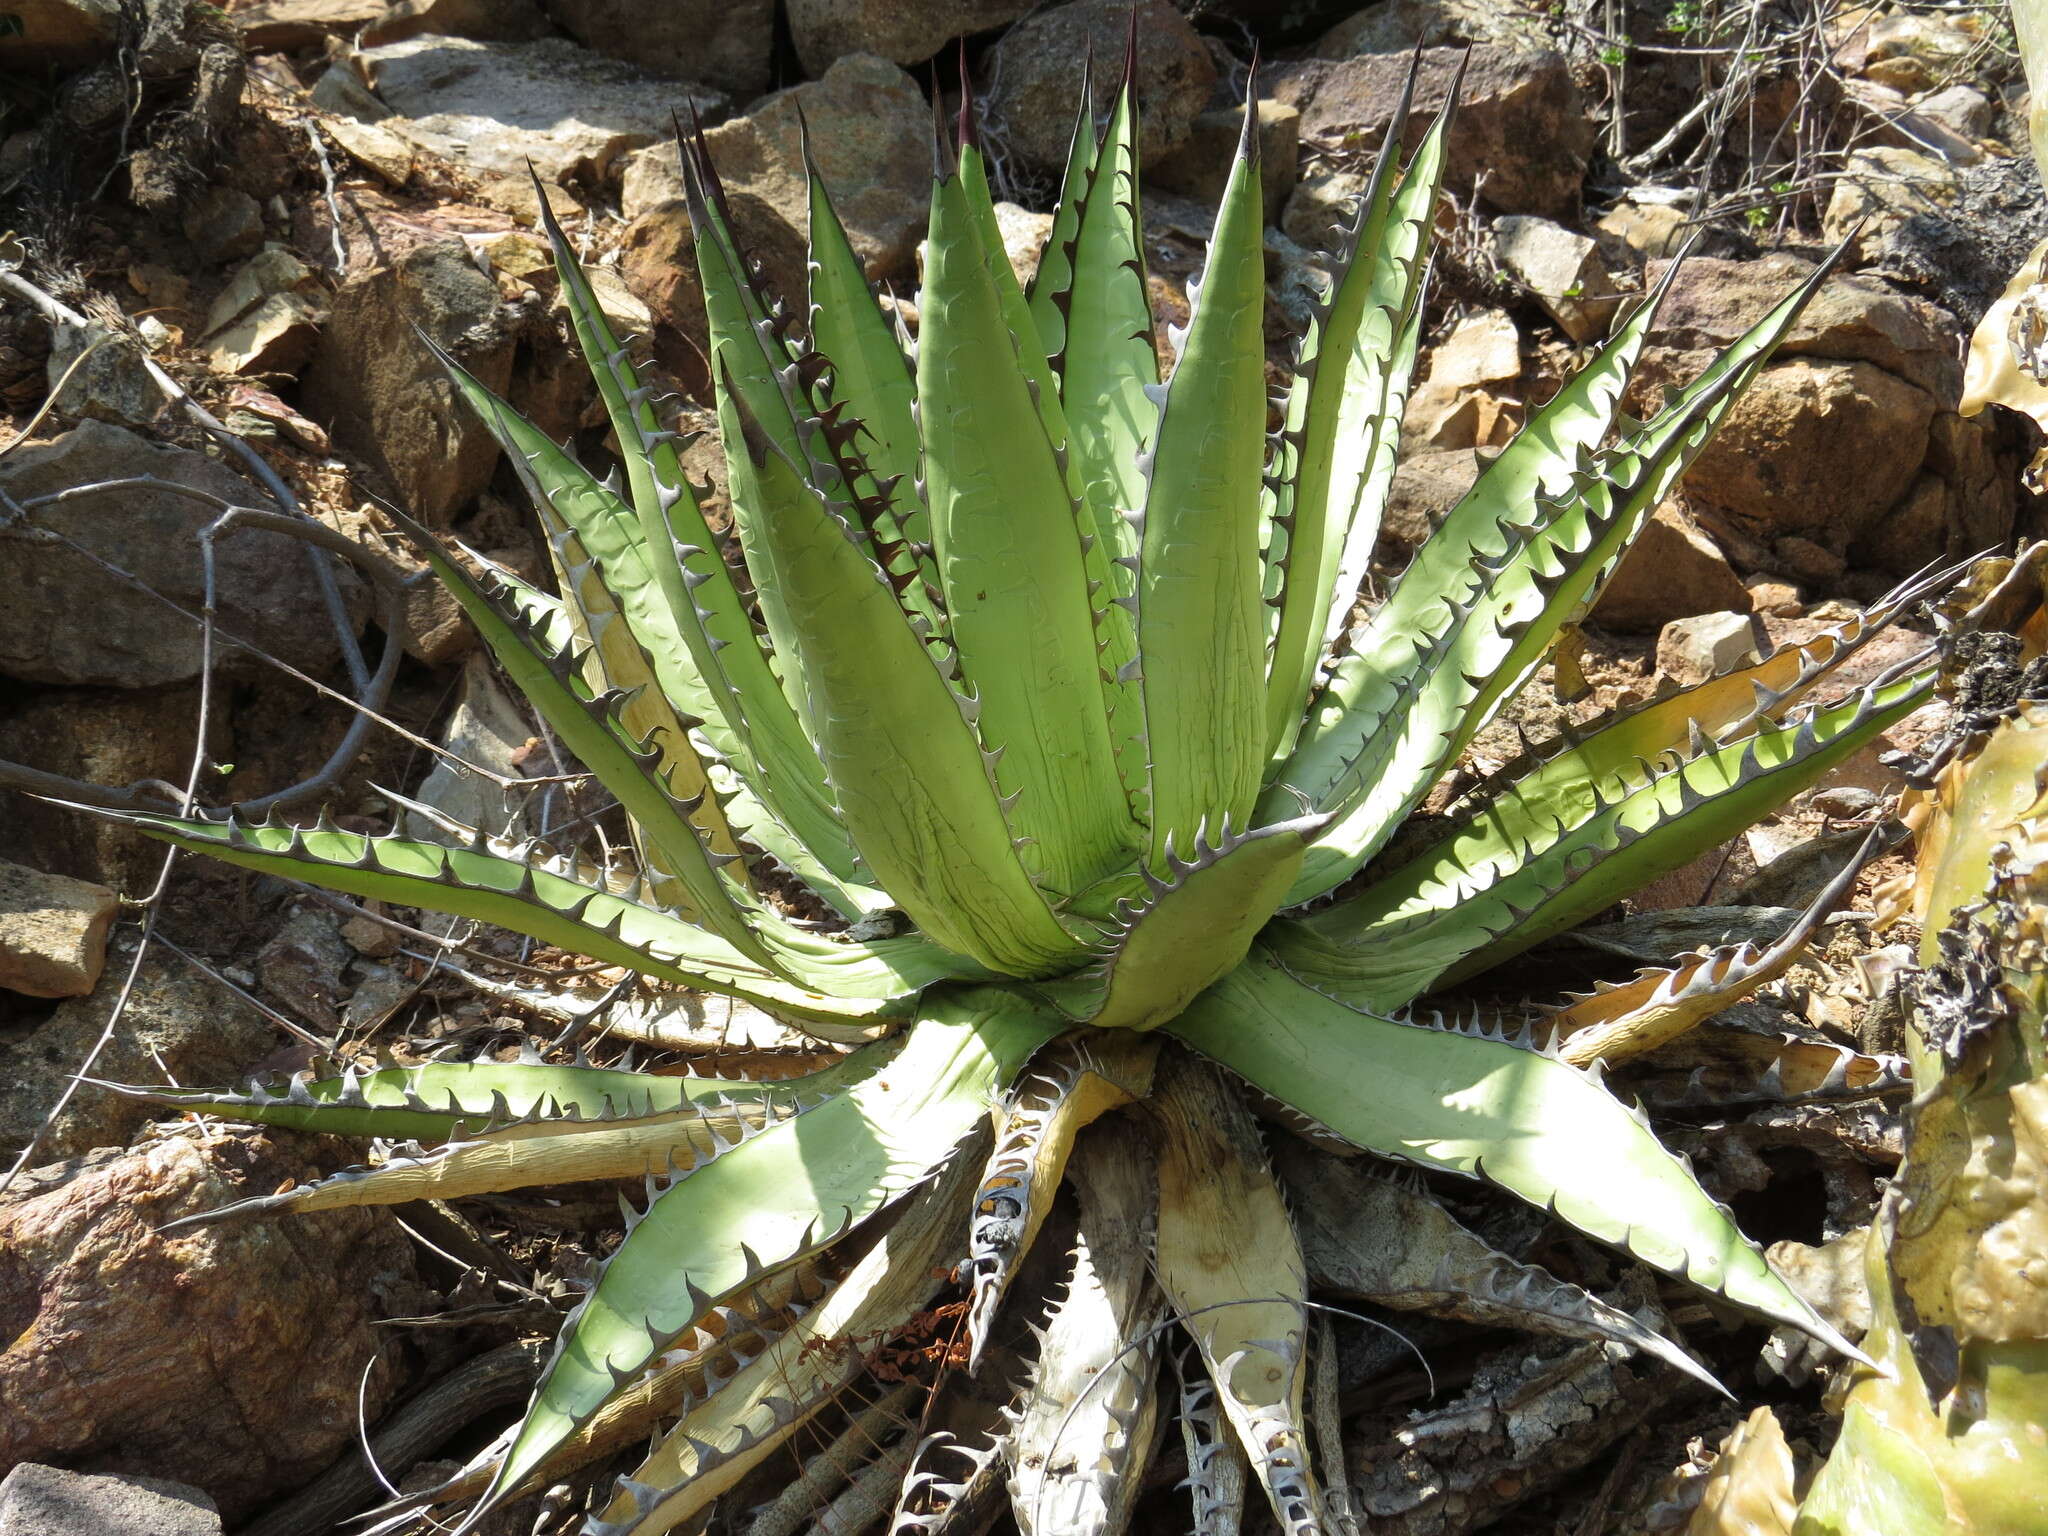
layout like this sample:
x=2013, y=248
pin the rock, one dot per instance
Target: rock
x=1672, y=571
x=43, y=1501
x=1396, y=26
x=224, y=224
x=341, y=91
x=486, y=729
x=1521, y=121
x=227, y=1356
x=384, y=154
x=53, y=932
x=1470, y=397
x=375, y=385
x=1200, y=167
x=1640, y=232
x=111, y=384
x=177, y=1020
x=493, y=107
x=496, y=21
x=66, y=622
x=1321, y=204
x=371, y=938
x=283, y=26
x=518, y=196
x=1932, y=41
x=58, y=34
x=1562, y=269
x=1888, y=118
x=106, y=736
x=435, y=630
x=724, y=43
x=301, y=967
x=658, y=260
x=1035, y=70
x=1832, y=438
x=1963, y=110
x=1879, y=189
x=277, y=336
x=1774, y=599
x=902, y=31
x=267, y=316
x=1699, y=647
x=870, y=130
x=1426, y=486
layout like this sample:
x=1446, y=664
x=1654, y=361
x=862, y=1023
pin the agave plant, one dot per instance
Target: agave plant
x=1034, y=665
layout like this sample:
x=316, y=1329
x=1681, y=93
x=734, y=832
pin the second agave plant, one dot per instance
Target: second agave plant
x=1043, y=682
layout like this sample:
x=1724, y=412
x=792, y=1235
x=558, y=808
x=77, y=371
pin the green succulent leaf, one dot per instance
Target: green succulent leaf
x=1186, y=929
x=448, y=1100
x=1201, y=629
x=1477, y=897
x=1464, y=1103
x=1011, y=556
x=783, y=1193
x=918, y=794
x=1337, y=451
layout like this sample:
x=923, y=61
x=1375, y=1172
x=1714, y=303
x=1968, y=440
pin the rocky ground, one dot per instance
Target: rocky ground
x=267, y=211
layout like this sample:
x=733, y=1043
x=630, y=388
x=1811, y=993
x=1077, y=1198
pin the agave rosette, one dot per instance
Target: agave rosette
x=1045, y=672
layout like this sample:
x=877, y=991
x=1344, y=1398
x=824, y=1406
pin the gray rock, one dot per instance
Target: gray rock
x=1521, y=121
x=177, y=1020
x=53, y=932
x=301, y=967
x=495, y=106
x=1426, y=486
x=870, y=131
x=724, y=43
x=903, y=31
x=375, y=385
x=498, y=21
x=224, y=224
x=46, y=1501
x=1562, y=268
x=1395, y=26
x=102, y=375
x=486, y=729
x=66, y=621
x=1035, y=72
x=285, y=25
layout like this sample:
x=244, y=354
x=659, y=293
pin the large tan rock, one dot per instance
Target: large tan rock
x=1035, y=76
x=1522, y=123
x=1826, y=453
x=903, y=31
x=1672, y=571
x=376, y=385
x=1469, y=397
x=1562, y=268
x=225, y=1356
x=53, y=932
x=870, y=130
x=1879, y=189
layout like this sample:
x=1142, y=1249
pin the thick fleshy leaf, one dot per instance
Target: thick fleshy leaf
x=1086, y=1418
x=1537, y=537
x=1186, y=928
x=449, y=1100
x=1464, y=1103
x=1068, y=1087
x=1009, y=546
x=776, y=1197
x=912, y=779
x=530, y=894
x=1337, y=450
x=1438, y=919
x=1201, y=626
